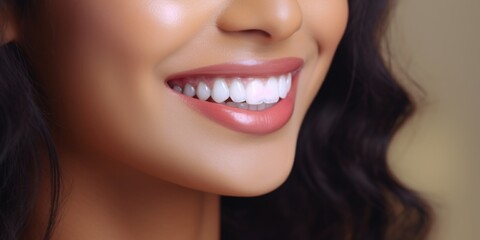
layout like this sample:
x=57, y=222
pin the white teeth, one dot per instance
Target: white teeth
x=220, y=91
x=289, y=82
x=203, y=91
x=271, y=90
x=243, y=105
x=177, y=89
x=237, y=91
x=254, y=92
x=189, y=90
x=261, y=107
x=282, y=86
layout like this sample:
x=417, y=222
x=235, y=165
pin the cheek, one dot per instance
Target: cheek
x=102, y=57
x=326, y=21
x=129, y=33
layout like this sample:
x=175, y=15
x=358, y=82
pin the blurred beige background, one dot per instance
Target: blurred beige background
x=438, y=153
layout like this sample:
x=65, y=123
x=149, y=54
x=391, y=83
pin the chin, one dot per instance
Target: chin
x=258, y=166
x=248, y=186
x=250, y=183
x=225, y=163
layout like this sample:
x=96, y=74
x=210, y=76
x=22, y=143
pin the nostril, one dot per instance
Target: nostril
x=256, y=32
x=250, y=32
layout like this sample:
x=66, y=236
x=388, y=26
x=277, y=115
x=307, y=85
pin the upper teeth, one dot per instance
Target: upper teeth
x=253, y=91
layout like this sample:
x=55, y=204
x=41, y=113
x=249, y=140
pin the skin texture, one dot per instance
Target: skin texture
x=137, y=162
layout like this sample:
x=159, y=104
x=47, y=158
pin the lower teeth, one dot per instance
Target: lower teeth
x=250, y=107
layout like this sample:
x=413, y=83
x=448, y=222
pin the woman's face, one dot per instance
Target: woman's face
x=206, y=94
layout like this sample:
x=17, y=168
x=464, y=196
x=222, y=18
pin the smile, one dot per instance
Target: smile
x=252, y=97
x=252, y=93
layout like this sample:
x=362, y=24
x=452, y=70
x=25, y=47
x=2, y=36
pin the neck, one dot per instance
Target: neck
x=110, y=204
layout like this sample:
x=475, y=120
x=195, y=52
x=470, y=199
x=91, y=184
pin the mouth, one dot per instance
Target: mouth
x=255, y=97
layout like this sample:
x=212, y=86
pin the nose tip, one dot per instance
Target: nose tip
x=274, y=19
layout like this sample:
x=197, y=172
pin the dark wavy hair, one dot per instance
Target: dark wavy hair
x=340, y=187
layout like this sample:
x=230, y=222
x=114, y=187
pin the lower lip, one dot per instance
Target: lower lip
x=251, y=122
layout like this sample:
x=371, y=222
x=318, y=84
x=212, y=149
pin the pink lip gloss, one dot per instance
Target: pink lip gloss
x=243, y=120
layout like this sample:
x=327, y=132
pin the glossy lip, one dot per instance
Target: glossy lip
x=246, y=121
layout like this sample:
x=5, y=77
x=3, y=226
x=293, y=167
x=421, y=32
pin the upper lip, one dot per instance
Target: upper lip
x=247, y=68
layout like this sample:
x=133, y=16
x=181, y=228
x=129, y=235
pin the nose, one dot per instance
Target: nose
x=273, y=19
